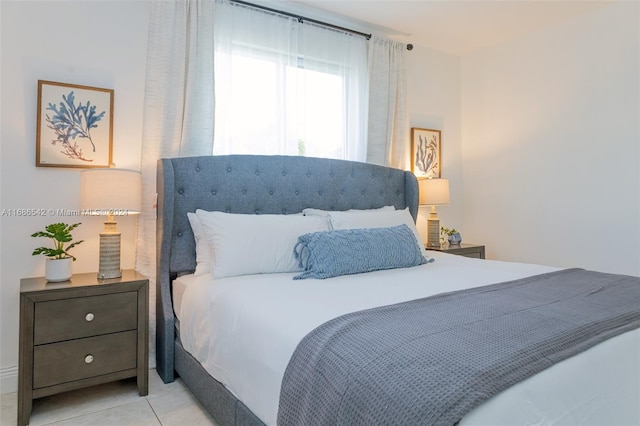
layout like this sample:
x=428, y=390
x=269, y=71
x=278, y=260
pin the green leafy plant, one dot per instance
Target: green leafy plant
x=60, y=233
x=448, y=232
x=445, y=233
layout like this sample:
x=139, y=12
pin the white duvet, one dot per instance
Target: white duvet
x=243, y=330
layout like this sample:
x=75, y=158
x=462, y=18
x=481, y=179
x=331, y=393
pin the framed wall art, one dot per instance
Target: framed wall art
x=425, y=152
x=75, y=125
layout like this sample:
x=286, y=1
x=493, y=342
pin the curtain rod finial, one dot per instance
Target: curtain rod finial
x=409, y=46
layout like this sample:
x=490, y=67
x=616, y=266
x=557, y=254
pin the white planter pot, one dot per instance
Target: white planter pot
x=57, y=270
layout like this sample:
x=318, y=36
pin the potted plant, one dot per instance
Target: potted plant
x=58, y=263
x=452, y=235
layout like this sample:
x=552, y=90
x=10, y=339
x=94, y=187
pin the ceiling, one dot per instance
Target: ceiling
x=457, y=27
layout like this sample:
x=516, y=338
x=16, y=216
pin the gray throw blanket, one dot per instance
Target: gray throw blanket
x=431, y=361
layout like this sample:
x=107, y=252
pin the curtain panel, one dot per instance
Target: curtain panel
x=388, y=121
x=178, y=111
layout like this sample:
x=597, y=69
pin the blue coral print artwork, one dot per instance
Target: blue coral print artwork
x=74, y=125
x=426, y=152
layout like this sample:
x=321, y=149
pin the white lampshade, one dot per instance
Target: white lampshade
x=110, y=190
x=433, y=191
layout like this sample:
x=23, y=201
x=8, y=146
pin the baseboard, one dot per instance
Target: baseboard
x=9, y=379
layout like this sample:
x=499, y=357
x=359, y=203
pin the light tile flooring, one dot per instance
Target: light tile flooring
x=113, y=404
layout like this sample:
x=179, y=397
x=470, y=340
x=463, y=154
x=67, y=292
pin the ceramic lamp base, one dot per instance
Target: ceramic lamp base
x=433, y=233
x=109, y=256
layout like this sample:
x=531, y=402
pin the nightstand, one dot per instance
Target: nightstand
x=80, y=333
x=467, y=250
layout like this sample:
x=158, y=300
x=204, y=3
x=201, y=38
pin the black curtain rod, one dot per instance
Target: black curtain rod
x=303, y=18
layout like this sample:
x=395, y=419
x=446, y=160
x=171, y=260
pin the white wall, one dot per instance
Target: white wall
x=96, y=43
x=434, y=102
x=551, y=144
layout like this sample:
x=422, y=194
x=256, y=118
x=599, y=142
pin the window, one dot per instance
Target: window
x=297, y=89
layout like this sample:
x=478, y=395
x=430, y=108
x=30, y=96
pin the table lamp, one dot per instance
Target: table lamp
x=433, y=192
x=110, y=192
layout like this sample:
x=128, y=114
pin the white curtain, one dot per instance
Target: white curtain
x=284, y=87
x=178, y=111
x=388, y=121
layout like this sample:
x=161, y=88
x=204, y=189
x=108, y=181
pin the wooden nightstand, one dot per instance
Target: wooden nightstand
x=467, y=250
x=80, y=333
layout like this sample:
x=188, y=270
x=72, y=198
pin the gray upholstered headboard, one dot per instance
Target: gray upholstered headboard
x=254, y=184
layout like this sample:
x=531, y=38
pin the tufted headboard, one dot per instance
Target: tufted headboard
x=254, y=184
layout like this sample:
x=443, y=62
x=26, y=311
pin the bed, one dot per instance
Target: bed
x=236, y=370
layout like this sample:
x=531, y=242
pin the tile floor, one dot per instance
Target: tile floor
x=113, y=404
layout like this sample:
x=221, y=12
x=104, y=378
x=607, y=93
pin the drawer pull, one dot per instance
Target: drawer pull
x=89, y=317
x=88, y=359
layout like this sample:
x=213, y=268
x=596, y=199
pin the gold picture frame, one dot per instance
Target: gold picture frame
x=426, y=152
x=75, y=125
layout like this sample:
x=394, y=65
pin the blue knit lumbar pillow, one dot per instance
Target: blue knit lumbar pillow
x=329, y=254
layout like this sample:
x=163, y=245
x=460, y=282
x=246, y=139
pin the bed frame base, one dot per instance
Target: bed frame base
x=225, y=408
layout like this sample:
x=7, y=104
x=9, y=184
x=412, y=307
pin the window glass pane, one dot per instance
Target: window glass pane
x=308, y=119
x=321, y=117
x=252, y=115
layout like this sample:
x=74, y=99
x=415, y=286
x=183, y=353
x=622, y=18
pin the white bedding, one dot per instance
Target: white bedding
x=178, y=288
x=243, y=330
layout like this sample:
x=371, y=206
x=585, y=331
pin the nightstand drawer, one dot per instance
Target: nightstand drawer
x=57, y=363
x=59, y=320
x=474, y=255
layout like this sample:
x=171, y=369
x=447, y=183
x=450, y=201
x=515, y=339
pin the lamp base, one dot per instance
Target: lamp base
x=433, y=233
x=109, y=256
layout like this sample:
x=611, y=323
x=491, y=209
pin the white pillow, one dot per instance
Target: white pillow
x=203, y=252
x=326, y=213
x=318, y=212
x=244, y=244
x=376, y=219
